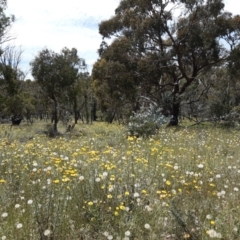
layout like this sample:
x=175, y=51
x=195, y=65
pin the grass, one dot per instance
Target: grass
x=97, y=183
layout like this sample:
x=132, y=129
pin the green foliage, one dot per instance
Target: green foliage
x=10, y=80
x=11, y=83
x=219, y=109
x=5, y=23
x=56, y=74
x=234, y=63
x=112, y=80
x=163, y=52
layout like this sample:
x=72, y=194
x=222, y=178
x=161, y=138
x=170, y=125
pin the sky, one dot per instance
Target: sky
x=55, y=24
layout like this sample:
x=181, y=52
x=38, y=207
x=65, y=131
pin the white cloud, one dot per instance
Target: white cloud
x=232, y=6
x=59, y=23
x=56, y=24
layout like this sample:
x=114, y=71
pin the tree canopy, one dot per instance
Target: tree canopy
x=170, y=45
x=56, y=73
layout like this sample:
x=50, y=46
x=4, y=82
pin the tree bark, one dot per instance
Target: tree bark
x=175, y=112
x=94, y=110
x=55, y=114
x=76, y=112
x=86, y=108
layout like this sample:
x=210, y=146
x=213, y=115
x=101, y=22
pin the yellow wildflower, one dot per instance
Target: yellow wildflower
x=168, y=182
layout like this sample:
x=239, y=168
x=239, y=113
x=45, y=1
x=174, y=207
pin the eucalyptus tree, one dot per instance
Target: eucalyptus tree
x=11, y=74
x=14, y=99
x=113, y=82
x=11, y=80
x=5, y=24
x=180, y=39
x=56, y=73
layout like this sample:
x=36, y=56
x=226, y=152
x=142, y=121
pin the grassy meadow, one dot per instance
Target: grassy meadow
x=98, y=183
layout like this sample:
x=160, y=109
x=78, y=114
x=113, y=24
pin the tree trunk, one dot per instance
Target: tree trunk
x=175, y=113
x=94, y=110
x=86, y=108
x=55, y=114
x=76, y=116
x=110, y=116
x=76, y=112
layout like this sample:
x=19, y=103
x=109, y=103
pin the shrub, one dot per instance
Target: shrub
x=146, y=121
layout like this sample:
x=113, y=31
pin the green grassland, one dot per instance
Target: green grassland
x=98, y=183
